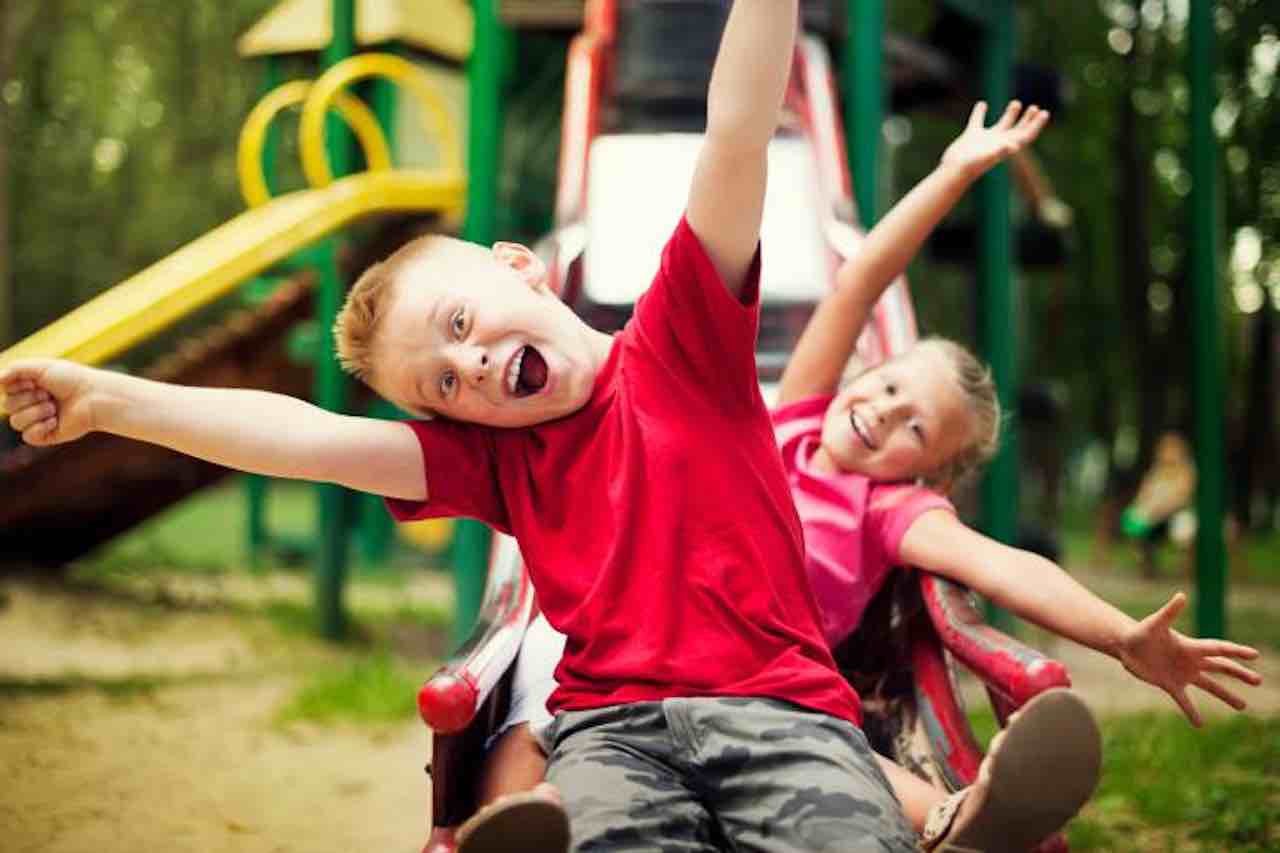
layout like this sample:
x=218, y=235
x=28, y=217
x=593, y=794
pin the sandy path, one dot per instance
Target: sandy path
x=198, y=763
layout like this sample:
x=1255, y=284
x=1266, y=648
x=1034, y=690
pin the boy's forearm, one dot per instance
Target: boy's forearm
x=749, y=82
x=247, y=430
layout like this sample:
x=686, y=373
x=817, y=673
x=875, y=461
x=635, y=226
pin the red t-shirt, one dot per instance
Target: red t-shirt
x=656, y=521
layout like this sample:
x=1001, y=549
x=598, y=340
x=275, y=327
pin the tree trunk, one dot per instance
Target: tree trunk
x=8, y=44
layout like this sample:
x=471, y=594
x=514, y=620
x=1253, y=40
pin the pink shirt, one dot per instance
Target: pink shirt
x=853, y=526
x=656, y=522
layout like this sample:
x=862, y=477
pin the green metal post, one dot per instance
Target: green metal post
x=255, y=487
x=1210, y=612
x=490, y=62
x=997, y=329
x=864, y=103
x=330, y=384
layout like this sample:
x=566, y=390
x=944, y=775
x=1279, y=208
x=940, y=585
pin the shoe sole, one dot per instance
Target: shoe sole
x=525, y=821
x=1044, y=768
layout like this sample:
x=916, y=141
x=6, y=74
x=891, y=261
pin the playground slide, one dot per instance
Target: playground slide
x=210, y=266
x=58, y=503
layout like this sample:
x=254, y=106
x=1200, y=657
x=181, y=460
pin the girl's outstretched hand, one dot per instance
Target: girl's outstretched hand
x=1172, y=661
x=47, y=401
x=979, y=148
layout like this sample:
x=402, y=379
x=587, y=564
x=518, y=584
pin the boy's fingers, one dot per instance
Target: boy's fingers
x=30, y=416
x=16, y=401
x=978, y=115
x=40, y=433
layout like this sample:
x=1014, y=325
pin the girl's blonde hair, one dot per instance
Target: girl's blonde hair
x=979, y=390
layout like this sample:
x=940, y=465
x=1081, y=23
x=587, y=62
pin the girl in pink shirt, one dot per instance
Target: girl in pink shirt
x=870, y=464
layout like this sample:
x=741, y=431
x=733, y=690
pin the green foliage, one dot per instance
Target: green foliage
x=374, y=689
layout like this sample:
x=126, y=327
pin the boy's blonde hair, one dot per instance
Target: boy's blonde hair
x=357, y=323
x=979, y=390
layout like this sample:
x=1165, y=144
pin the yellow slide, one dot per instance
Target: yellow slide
x=272, y=229
x=212, y=265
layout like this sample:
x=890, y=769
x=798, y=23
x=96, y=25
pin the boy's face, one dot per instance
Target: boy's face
x=476, y=335
x=903, y=419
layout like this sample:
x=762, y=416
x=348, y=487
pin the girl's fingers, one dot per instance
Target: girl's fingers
x=1228, y=667
x=1010, y=115
x=977, y=116
x=1184, y=702
x=1208, y=685
x=1226, y=648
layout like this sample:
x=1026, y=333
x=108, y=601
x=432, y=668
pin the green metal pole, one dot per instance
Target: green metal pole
x=1209, y=374
x=864, y=103
x=490, y=62
x=255, y=487
x=330, y=384
x=997, y=329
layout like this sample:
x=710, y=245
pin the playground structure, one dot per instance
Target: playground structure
x=485, y=35
x=132, y=481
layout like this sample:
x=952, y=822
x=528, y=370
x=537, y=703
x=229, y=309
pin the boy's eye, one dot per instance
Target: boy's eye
x=459, y=322
x=891, y=389
x=447, y=383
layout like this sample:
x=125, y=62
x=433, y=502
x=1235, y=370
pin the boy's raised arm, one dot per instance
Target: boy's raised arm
x=744, y=104
x=51, y=402
x=832, y=333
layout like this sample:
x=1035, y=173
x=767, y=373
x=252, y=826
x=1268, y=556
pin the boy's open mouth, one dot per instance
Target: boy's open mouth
x=527, y=372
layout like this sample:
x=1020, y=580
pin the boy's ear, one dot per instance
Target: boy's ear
x=526, y=264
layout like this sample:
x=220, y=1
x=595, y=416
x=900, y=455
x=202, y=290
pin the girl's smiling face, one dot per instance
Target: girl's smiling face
x=900, y=420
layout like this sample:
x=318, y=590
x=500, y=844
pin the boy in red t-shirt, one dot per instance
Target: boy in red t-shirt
x=698, y=704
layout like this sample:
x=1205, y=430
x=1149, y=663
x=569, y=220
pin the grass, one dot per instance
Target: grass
x=374, y=689
x=1183, y=789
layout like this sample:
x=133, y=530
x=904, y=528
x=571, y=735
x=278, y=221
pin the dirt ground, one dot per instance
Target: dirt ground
x=198, y=762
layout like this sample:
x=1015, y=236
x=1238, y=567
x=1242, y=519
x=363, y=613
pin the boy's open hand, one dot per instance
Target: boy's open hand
x=47, y=401
x=1172, y=661
x=979, y=148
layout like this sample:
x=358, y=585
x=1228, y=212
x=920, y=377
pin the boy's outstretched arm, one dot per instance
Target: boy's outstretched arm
x=744, y=105
x=832, y=333
x=1039, y=591
x=51, y=402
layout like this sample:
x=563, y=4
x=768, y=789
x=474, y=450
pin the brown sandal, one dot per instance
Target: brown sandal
x=528, y=821
x=1037, y=774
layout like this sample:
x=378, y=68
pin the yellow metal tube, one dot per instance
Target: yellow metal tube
x=253, y=136
x=315, y=163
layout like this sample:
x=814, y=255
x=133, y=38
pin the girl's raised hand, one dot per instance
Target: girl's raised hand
x=1159, y=655
x=979, y=148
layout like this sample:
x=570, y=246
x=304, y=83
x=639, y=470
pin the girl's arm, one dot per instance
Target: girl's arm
x=1040, y=592
x=829, y=339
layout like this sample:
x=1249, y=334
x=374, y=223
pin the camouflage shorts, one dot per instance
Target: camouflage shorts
x=710, y=774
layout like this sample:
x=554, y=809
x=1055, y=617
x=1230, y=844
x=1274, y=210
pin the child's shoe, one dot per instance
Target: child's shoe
x=533, y=821
x=1037, y=774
